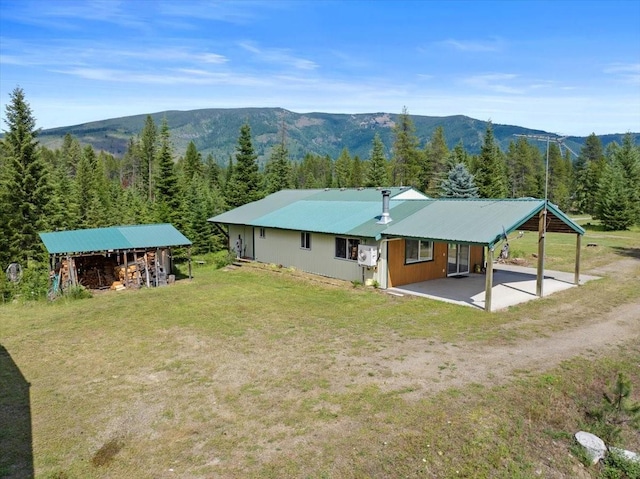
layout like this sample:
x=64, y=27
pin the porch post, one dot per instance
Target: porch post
x=488, y=280
x=576, y=279
x=542, y=223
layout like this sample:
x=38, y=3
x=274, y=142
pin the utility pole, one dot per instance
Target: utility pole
x=542, y=221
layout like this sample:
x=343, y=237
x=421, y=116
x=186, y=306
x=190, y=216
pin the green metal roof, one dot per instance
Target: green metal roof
x=246, y=214
x=352, y=212
x=254, y=213
x=465, y=221
x=113, y=238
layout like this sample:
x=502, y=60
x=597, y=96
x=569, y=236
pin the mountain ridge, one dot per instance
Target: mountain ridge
x=215, y=131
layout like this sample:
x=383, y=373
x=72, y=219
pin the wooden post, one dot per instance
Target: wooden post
x=542, y=226
x=126, y=270
x=189, y=249
x=156, y=265
x=489, y=280
x=576, y=279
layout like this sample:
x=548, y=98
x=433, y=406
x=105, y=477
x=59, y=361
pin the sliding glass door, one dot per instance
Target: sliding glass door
x=457, y=259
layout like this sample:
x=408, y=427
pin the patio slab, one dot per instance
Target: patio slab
x=511, y=285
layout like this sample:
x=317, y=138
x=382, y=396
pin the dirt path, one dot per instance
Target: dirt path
x=429, y=367
x=425, y=367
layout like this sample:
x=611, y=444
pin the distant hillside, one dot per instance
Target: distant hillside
x=216, y=131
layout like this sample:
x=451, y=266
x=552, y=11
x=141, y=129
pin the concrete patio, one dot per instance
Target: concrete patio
x=511, y=285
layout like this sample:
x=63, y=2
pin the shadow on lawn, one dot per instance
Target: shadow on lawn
x=16, y=459
x=628, y=252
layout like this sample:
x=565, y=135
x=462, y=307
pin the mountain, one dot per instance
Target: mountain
x=216, y=131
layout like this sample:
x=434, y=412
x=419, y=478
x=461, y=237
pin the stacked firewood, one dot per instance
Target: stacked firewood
x=95, y=273
x=132, y=275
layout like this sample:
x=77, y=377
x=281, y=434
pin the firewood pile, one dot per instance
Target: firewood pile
x=95, y=272
x=142, y=272
x=103, y=271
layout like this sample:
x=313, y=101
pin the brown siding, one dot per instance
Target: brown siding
x=401, y=273
x=476, y=253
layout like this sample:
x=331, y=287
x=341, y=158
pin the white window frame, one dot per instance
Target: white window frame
x=351, y=254
x=305, y=240
x=262, y=233
x=424, y=251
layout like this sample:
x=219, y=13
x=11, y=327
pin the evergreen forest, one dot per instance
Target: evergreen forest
x=75, y=186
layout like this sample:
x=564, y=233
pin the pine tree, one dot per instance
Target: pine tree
x=613, y=207
x=458, y=155
x=525, y=169
x=490, y=176
x=357, y=173
x=278, y=170
x=559, y=178
x=212, y=171
x=192, y=164
x=167, y=201
x=244, y=184
x=434, y=165
x=377, y=171
x=200, y=202
x=342, y=169
x=25, y=186
x=148, y=148
x=85, y=189
x=459, y=183
x=628, y=157
x=406, y=155
x=589, y=168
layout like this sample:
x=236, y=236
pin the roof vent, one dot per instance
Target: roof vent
x=385, y=218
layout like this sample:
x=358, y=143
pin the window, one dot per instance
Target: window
x=347, y=248
x=305, y=240
x=417, y=250
x=263, y=233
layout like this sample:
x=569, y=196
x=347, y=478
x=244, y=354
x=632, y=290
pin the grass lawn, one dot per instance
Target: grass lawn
x=262, y=372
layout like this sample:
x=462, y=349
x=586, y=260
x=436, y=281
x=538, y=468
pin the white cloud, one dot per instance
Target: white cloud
x=626, y=72
x=278, y=57
x=495, y=82
x=478, y=46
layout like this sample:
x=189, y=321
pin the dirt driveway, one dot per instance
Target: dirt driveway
x=427, y=367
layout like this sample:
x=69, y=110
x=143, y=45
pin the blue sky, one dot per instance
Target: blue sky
x=567, y=67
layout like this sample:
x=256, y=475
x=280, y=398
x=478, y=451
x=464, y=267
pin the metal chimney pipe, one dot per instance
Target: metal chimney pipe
x=385, y=217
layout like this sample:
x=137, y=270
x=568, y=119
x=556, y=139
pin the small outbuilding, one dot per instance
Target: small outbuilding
x=116, y=257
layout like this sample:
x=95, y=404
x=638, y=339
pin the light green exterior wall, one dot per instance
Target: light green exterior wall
x=283, y=247
x=246, y=233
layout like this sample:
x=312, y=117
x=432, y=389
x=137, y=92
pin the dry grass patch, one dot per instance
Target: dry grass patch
x=263, y=373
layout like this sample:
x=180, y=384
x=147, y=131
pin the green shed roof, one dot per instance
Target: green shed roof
x=113, y=238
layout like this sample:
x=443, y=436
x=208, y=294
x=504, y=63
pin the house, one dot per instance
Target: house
x=116, y=257
x=390, y=237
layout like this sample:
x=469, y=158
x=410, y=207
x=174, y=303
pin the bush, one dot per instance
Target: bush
x=34, y=283
x=77, y=292
x=616, y=466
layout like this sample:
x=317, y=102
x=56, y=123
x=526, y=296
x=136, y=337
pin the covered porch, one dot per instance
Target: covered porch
x=512, y=285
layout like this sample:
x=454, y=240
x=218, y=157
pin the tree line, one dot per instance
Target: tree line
x=73, y=186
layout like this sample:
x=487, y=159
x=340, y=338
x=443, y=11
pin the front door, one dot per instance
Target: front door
x=457, y=259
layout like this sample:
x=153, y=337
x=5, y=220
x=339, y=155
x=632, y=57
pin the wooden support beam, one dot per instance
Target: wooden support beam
x=126, y=270
x=488, y=288
x=576, y=279
x=542, y=218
